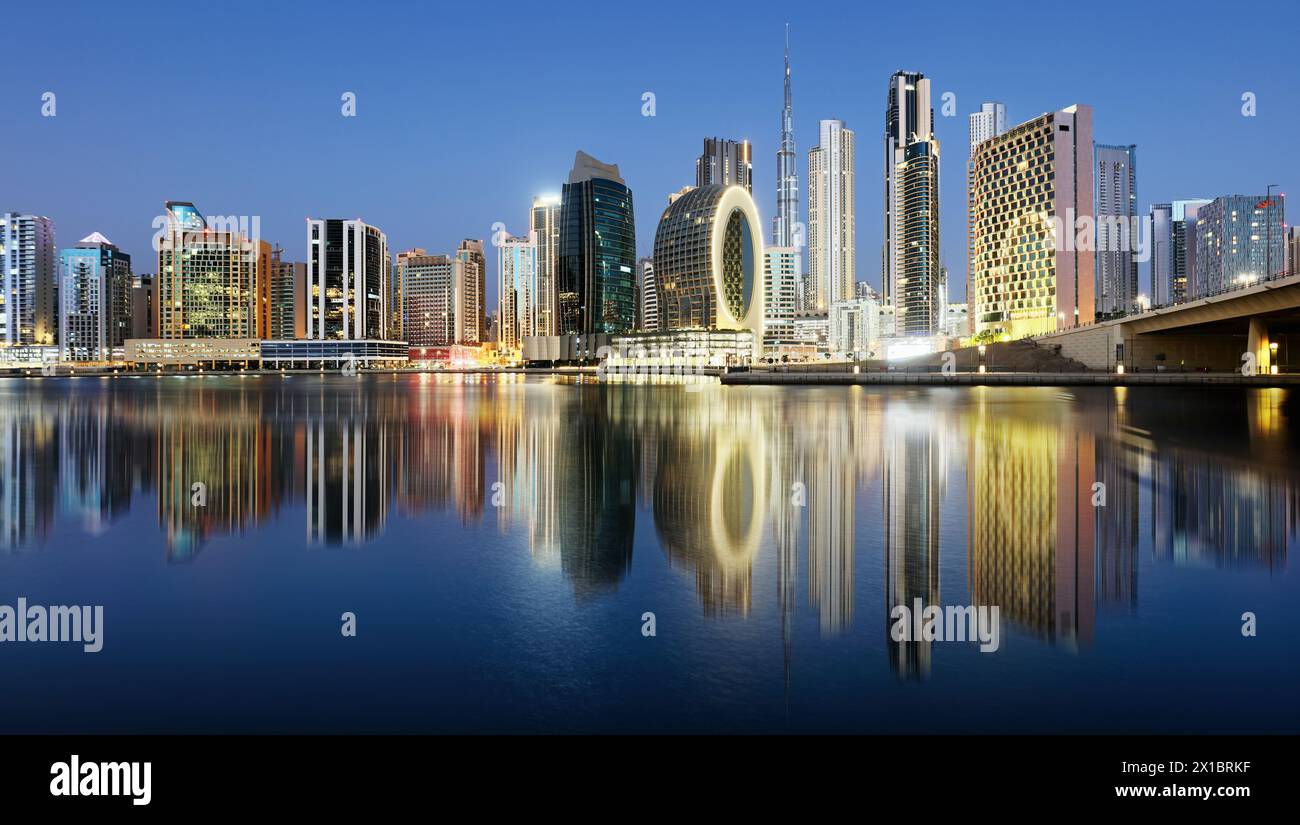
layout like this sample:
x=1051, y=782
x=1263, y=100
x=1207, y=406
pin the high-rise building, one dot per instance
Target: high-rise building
x=1239, y=241
x=725, y=162
x=786, y=221
x=854, y=325
x=942, y=293
x=1169, y=267
x=94, y=300
x=429, y=295
x=471, y=293
x=989, y=121
x=288, y=298
x=1161, y=265
x=517, y=291
x=545, y=222
x=144, y=307
x=348, y=268
x=211, y=279
x=1028, y=185
x=1115, y=233
x=781, y=283
x=1293, y=251
x=597, y=278
x=29, y=279
x=708, y=259
x=918, y=283
x=396, y=330
x=908, y=118
x=648, y=304
x=832, y=216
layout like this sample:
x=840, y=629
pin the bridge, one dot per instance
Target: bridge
x=1213, y=334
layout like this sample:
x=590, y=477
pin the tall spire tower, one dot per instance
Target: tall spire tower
x=787, y=179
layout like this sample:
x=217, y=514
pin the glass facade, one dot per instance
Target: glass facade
x=207, y=279
x=545, y=222
x=707, y=258
x=597, y=278
x=1240, y=240
x=347, y=279
x=27, y=280
x=94, y=300
x=917, y=290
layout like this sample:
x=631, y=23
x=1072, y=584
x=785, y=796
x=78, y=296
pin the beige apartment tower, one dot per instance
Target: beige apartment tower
x=1029, y=189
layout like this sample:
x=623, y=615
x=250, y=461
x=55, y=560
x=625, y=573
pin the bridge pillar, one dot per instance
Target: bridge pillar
x=1258, y=343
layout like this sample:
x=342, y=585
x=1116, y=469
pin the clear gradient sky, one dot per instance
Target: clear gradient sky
x=466, y=111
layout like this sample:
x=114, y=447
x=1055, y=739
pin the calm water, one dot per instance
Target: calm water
x=500, y=539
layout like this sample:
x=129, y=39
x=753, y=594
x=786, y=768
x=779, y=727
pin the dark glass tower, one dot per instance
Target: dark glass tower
x=597, y=262
x=347, y=280
x=908, y=118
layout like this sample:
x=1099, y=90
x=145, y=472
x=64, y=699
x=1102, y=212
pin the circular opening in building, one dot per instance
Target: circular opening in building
x=737, y=264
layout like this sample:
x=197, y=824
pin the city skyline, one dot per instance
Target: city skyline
x=280, y=181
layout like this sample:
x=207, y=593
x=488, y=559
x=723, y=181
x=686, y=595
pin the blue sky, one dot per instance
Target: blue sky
x=465, y=111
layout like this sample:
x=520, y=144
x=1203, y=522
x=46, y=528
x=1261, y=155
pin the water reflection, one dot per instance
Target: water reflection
x=812, y=479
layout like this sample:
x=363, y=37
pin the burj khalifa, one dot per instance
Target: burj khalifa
x=785, y=225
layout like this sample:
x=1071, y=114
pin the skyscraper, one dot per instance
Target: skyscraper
x=787, y=172
x=781, y=283
x=1233, y=247
x=1161, y=265
x=908, y=118
x=1171, y=264
x=288, y=298
x=596, y=283
x=832, y=216
x=708, y=262
x=29, y=279
x=144, y=307
x=544, y=219
x=1028, y=185
x=918, y=302
x=396, y=305
x=1293, y=251
x=725, y=162
x=348, y=268
x=94, y=299
x=989, y=121
x=648, y=308
x=429, y=295
x=209, y=277
x=1116, y=204
x=517, y=290
x=471, y=293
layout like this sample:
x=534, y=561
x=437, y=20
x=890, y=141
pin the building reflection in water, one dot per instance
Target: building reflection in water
x=914, y=467
x=730, y=479
x=1032, y=525
x=711, y=500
